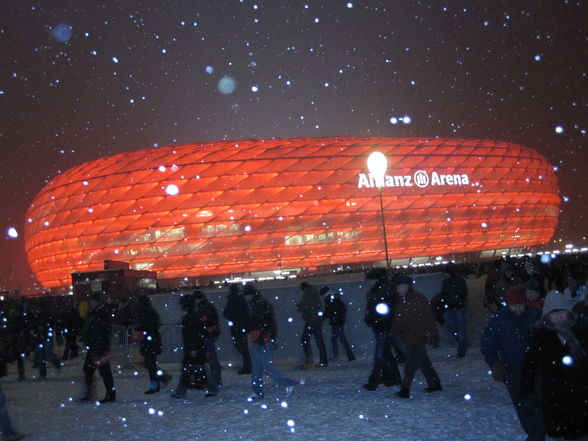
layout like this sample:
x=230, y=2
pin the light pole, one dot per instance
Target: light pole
x=377, y=165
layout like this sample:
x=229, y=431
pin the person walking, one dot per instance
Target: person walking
x=21, y=338
x=43, y=337
x=264, y=332
x=504, y=341
x=195, y=358
x=96, y=336
x=238, y=313
x=10, y=434
x=311, y=308
x=533, y=293
x=71, y=323
x=150, y=343
x=507, y=279
x=208, y=314
x=556, y=359
x=336, y=313
x=454, y=297
x=378, y=316
x=415, y=322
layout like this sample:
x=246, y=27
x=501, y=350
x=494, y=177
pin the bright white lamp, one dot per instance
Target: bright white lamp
x=377, y=165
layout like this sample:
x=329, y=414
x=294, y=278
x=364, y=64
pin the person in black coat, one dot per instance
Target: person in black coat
x=43, y=335
x=208, y=314
x=336, y=313
x=195, y=358
x=96, y=336
x=264, y=332
x=238, y=313
x=20, y=330
x=150, y=346
x=503, y=345
x=454, y=297
x=557, y=355
x=6, y=427
x=378, y=316
x=311, y=309
x=71, y=323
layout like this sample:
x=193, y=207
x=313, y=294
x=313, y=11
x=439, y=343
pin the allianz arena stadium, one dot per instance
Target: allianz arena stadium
x=238, y=207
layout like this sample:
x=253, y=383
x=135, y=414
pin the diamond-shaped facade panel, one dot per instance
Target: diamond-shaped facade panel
x=255, y=205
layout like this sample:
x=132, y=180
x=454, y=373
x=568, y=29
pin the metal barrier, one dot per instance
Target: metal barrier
x=172, y=345
x=119, y=346
x=125, y=353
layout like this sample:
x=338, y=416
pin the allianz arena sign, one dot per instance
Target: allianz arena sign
x=235, y=207
x=419, y=179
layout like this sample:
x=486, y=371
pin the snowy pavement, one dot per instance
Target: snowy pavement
x=330, y=405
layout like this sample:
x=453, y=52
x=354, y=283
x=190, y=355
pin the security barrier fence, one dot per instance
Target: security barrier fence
x=126, y=353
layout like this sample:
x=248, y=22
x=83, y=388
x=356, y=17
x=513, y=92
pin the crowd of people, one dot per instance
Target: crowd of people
x=535, y=341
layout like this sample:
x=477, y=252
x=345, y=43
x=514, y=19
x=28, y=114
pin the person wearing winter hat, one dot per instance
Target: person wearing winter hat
x=558, y=348
x=555, y=301
x=504, y=340
x=533, y=292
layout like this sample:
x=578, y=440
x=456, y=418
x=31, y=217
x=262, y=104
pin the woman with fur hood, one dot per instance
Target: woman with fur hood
x=557, y=356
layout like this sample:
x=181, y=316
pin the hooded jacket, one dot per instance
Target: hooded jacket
x=311, y=306
x=414, y=319
x=506, y=337
x=563, y=377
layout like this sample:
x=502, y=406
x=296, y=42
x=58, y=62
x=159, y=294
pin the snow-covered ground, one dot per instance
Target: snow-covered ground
x=330, y=405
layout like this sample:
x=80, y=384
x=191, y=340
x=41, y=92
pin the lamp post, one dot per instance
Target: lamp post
x=377, y=165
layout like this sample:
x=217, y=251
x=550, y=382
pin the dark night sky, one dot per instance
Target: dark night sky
x=80, y=80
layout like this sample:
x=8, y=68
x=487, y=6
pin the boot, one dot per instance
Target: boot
x=370, y=386
x=87, y=393
x=153, y=387
x=403, y=393
x=110, y=396
x=435, y=388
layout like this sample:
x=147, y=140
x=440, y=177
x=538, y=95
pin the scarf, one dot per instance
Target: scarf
x=565, y=333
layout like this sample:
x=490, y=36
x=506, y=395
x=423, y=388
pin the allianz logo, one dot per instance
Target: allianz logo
x=420, y=179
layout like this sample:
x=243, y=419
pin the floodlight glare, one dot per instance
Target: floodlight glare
x=377, y=165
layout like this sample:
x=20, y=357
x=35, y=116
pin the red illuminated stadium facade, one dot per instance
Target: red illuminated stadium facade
x=235, y=207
